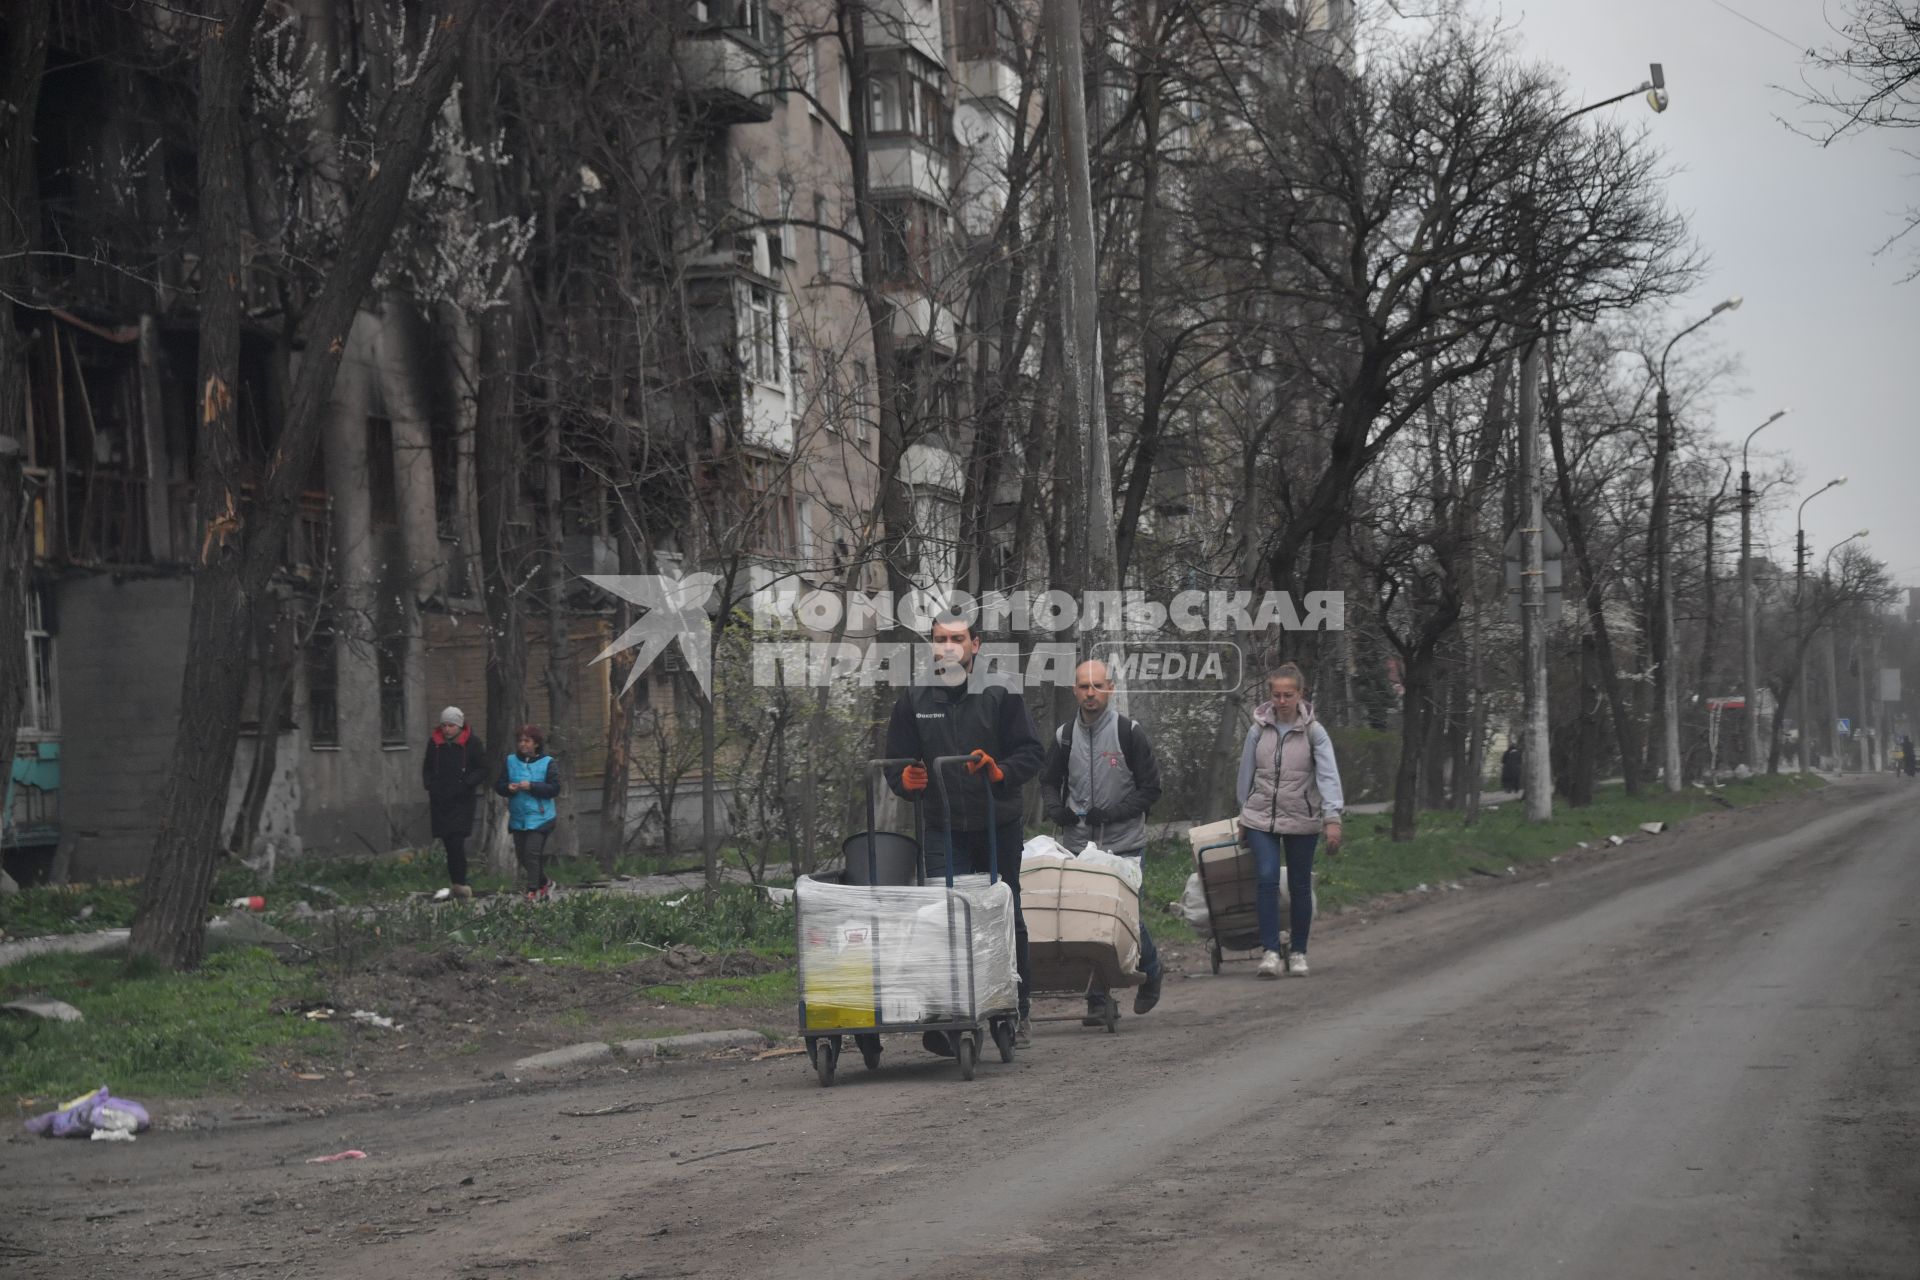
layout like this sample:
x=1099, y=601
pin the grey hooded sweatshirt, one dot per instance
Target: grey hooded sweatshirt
x=1289, y=781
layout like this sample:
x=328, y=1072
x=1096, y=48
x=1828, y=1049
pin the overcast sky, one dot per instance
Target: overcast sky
x=1826, y=327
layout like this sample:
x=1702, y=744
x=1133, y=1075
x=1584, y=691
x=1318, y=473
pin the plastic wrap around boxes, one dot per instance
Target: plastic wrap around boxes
x=1083, y=916
x=897, y=955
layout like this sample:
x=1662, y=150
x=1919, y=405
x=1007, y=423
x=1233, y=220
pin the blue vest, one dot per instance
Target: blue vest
x=525, y=810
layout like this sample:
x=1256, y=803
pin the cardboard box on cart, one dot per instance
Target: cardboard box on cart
x=1080, y=915
x=1228, y=876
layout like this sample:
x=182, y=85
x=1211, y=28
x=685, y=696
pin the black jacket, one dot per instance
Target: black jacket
x=452, y=772
x=930, y=721
x=1140, y=763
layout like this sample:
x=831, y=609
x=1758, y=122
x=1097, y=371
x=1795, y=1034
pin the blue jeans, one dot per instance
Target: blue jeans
x=1267, y=849
x=1149, y=954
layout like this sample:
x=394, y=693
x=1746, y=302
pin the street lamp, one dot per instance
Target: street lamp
x=1751, y=680
x=1662, y=467
x=1799, y=584
x=1537, y=768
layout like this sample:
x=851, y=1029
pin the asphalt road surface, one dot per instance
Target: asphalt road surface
x=1698, y=1055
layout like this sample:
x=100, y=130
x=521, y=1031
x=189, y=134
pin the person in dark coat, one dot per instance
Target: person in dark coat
x=453, y=770
x=1510, y=769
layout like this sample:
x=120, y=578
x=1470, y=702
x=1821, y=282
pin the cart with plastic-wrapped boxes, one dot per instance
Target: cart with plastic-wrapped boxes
x=1083, y=925
x=1231, y=885
x=878, y=958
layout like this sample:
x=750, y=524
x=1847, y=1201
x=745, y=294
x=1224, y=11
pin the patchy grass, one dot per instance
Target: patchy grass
x=1372, y=863
x=80, y=908
x=149, y=1032
x=598, y=930
x=320, y=882
x=759, y=990
x=1166, y=866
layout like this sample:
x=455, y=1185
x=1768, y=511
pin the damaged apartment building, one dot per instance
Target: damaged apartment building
x=382, y=620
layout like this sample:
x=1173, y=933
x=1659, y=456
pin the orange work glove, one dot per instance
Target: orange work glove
x=979, y=761
x=914, y=777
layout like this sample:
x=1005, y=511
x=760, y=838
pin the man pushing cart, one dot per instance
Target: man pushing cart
x=960, y=715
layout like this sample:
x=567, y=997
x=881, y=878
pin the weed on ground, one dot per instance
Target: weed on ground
x=150, y=1032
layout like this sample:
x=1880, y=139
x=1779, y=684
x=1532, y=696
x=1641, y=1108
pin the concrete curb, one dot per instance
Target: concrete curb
x=596, y=1051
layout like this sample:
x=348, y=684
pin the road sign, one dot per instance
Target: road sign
x=1845, y=725
x=1551, y=548
x=1552, y=574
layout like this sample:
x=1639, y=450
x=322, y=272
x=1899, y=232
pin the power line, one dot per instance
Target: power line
x=1793, y=44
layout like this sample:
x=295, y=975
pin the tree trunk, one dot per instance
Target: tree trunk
x=559, y=728
x=275, y=674
x=240, y=552
x=1593, y=597
x=171, y=922
x=495, y=470
x=1416, y=680
x=19, y=221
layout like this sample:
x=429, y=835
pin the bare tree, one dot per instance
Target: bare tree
x=1873, y=82
x=242, y=547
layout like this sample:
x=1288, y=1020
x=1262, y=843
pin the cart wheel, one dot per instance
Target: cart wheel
x=1003, y=1039
x=826, y=1056
x=1213, y=950
x=966, y=1047
x=1112, y=1015
x=869, y=1051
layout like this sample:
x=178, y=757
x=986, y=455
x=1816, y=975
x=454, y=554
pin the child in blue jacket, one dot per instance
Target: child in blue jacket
x=531, y=783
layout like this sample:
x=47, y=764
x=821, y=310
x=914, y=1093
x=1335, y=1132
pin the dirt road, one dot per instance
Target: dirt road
x=1697, y=1056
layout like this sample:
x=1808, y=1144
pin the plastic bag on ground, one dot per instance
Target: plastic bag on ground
x=1193, y=906
x=90, y=1111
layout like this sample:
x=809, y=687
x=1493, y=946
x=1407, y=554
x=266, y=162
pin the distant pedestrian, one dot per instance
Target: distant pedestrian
x=531, y=782
x=452, y=771
x=1098, y=785
x=1289, y=792
x=1906, y=753
x=1510, y=769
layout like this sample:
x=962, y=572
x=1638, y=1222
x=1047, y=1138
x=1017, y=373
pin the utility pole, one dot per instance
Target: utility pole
x=1799, y=616
x=1663, y=672
x=1079, y=296
x=1750, y=679
x=1833, y=702
x=1800, y=648
x=1536, y=767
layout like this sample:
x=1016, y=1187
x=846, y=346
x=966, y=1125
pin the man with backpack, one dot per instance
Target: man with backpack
x=1099, y=782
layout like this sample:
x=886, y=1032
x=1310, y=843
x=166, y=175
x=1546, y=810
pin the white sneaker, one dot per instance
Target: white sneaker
x=1270, y=966
x=1297, y=964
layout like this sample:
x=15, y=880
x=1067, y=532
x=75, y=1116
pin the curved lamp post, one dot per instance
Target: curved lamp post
x=1799, y=585
x=1662, y=478
x=1750, y=680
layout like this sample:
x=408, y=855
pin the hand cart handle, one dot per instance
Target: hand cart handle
x=939, y=764
x=876, y=769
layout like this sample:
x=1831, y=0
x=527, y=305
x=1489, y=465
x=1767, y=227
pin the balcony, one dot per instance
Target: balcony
x=726, y=75
x=922, y=322
x=902, y=162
